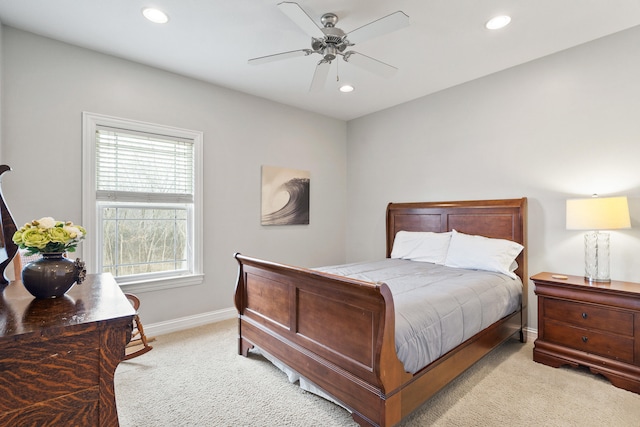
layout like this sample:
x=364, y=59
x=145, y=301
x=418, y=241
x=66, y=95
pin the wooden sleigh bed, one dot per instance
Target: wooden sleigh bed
x=339, y=333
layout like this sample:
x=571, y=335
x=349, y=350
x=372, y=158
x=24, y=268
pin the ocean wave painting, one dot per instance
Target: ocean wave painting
x=285, y=196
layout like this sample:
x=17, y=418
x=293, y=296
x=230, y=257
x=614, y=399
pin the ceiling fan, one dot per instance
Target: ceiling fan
x=330, y=42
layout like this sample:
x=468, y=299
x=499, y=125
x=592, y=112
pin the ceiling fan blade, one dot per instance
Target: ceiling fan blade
x=300, y=17
x=370, y=64
x=280, y=56
x=320, y=76
x=384, y=25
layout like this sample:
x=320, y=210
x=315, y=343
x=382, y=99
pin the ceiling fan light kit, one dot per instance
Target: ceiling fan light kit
x=330, y=42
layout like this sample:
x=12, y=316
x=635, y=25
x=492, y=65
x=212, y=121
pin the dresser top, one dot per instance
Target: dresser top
x=98, y=298
x=615, y=286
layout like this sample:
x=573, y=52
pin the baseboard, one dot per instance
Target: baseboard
x=182, y=323
x=532, y=334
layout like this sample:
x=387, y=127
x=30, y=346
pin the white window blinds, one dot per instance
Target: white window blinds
x=132, y=166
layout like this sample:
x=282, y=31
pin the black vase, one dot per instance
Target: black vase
x=52, y=275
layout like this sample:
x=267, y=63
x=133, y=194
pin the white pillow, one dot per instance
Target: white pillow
x=482, y=253
x=423, y=246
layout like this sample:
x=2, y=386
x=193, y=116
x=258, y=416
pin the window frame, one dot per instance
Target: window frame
x=91, y=247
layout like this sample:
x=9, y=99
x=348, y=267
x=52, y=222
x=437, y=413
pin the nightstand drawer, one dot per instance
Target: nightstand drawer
x=609, y=345
x=589, y=316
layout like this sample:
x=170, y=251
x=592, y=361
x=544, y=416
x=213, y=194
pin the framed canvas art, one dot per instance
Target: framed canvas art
x=285, y=196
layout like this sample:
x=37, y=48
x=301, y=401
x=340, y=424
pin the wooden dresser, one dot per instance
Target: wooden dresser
x=58, y=356
x=596, y=325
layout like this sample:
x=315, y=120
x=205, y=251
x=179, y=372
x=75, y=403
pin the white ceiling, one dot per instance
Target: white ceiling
x=446, y=43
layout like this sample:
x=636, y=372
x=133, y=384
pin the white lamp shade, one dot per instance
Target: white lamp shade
x=598, y=213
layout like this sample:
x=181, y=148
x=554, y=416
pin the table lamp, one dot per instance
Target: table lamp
x=596, y=214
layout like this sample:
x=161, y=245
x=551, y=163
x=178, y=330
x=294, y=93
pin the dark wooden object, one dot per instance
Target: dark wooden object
x=596, y=325
x=58, y=356
x=139, y=344
x=8, y=249
x=340, y=333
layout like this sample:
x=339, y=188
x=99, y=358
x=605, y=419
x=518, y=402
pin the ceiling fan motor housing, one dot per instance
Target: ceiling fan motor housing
x=334, y=35
x=334, y=42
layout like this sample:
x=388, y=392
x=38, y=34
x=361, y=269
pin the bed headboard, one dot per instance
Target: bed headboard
x=503, y=219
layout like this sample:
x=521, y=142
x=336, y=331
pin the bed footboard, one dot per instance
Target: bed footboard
x=335, y=331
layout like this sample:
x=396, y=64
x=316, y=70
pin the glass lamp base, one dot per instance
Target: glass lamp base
x=596, y=257
x=592, y=280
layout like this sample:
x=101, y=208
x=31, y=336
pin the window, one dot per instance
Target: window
x=142, y=202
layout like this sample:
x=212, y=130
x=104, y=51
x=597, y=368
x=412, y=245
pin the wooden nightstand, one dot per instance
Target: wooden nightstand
x=596, y=325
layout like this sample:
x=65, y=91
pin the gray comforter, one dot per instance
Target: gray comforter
x=437, y=307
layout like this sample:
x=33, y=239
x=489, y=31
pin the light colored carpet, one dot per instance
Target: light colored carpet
x=196, y=378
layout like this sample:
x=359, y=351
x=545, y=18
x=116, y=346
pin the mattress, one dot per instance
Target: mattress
x=437, y=307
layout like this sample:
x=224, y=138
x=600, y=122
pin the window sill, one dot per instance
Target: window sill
x=160, y=284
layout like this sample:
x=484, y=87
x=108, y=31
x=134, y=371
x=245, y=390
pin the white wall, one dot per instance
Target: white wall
x=560, y=127
x=1, y=66
x=47, y=85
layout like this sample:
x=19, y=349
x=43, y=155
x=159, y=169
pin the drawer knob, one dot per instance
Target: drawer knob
x=585, y=339
x=585, y=315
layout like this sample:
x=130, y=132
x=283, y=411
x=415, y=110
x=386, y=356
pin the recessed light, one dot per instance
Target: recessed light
x=346, y=88
x=498, y=22
x=155, y=15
